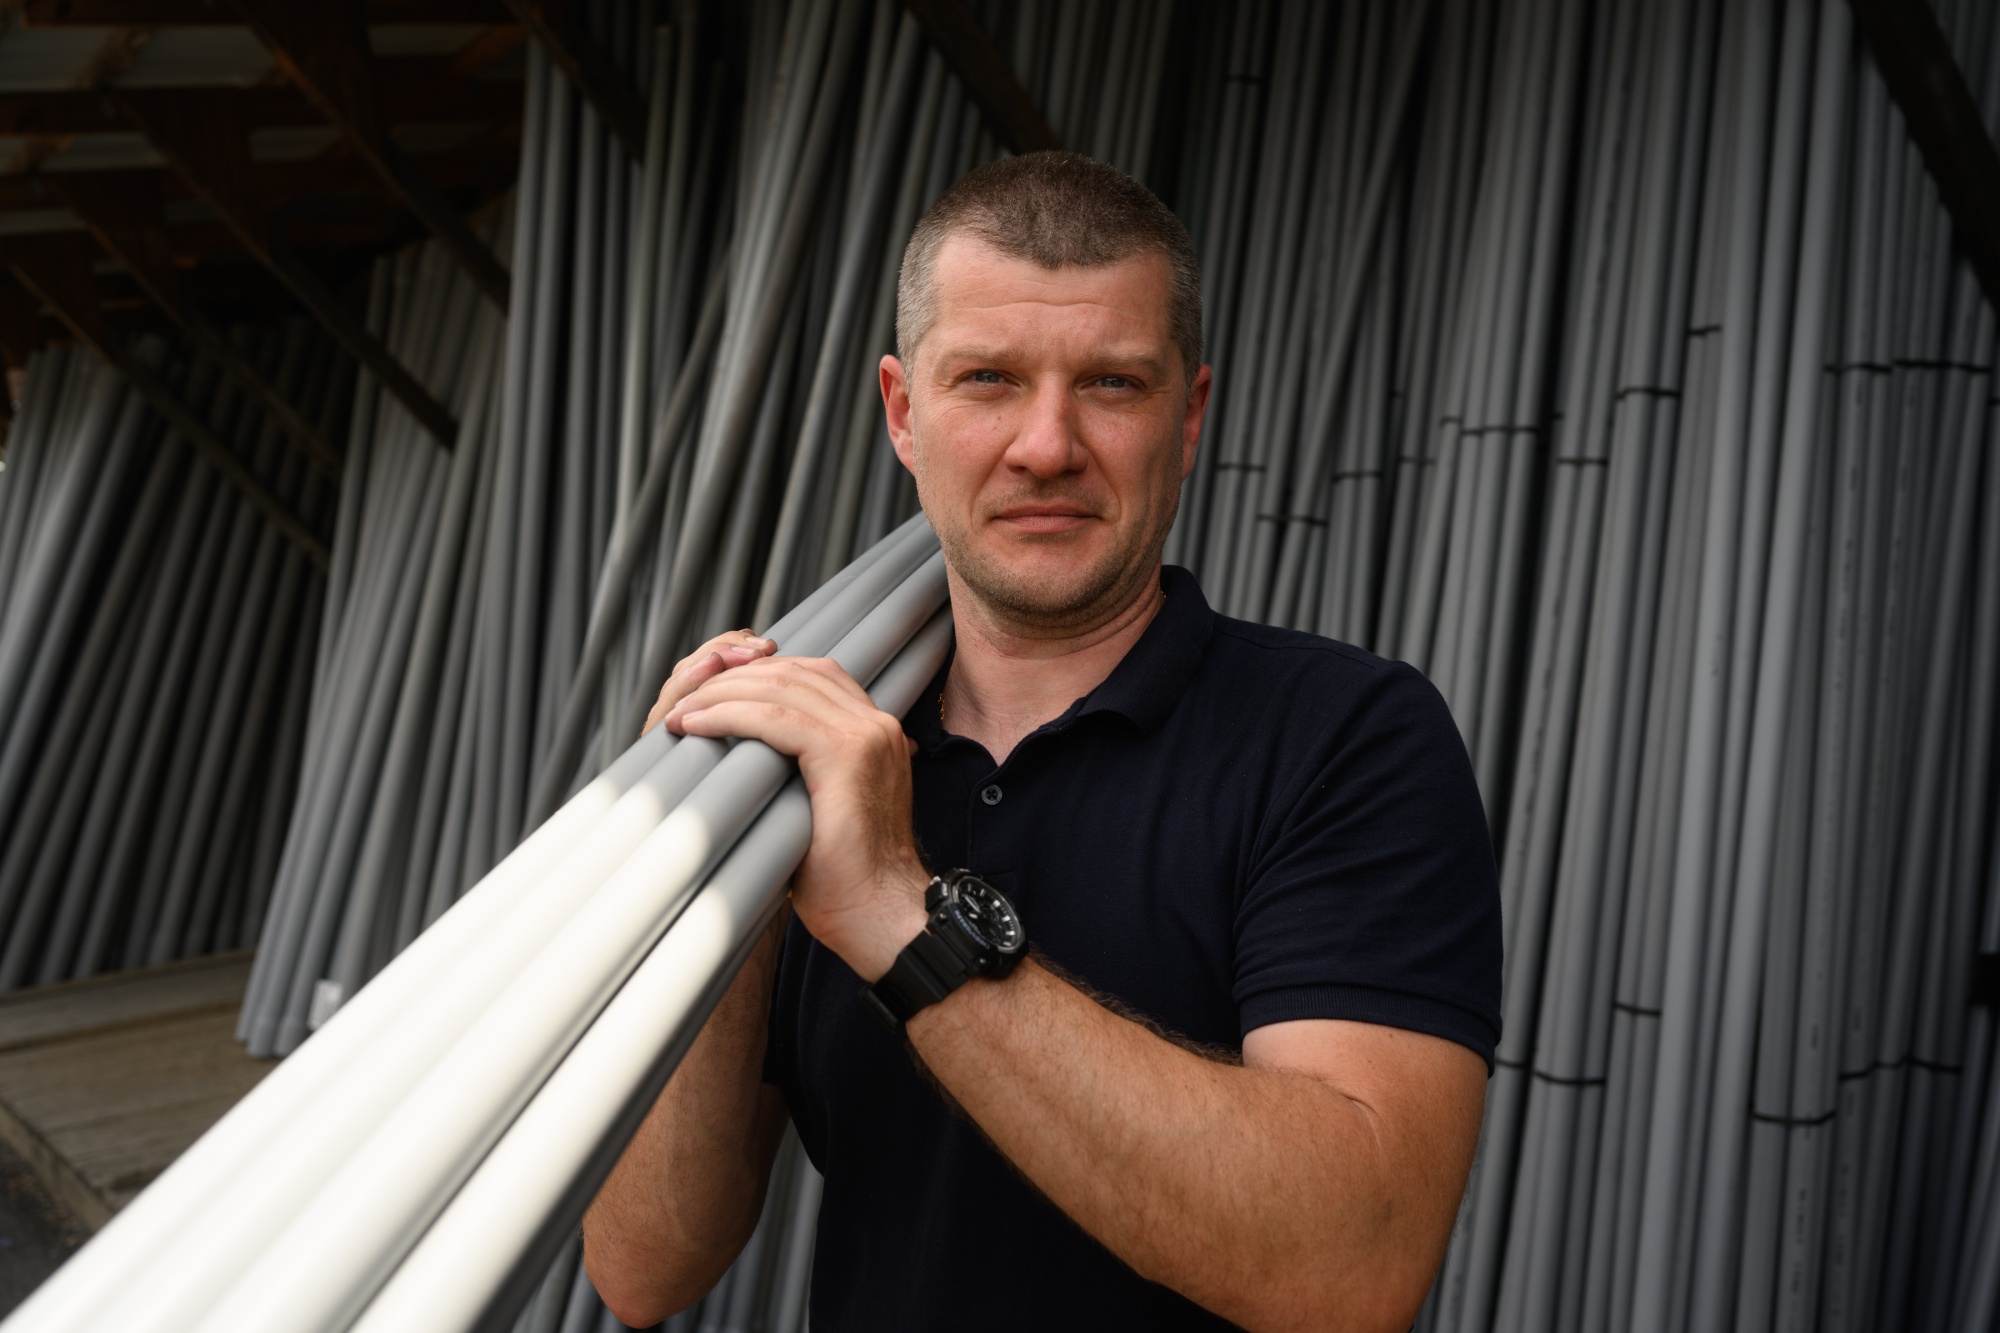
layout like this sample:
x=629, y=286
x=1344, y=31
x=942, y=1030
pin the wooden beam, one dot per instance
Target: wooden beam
x=415, y=90
x=1010, y=113
x=589, y=67
x=57, y=270
x=486, y=48
x=20, y=322
x=202, y=14
x=485, y=167
x=212, y=155
x=1944, y=122
x=127, y=214
x=323, y=46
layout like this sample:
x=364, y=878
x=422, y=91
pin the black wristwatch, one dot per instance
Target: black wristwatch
x=973, y=931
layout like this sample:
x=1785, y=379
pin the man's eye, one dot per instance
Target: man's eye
x=985, y=377
x=1116, y=382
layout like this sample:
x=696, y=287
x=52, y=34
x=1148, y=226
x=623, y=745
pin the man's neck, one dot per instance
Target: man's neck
x=1005, y=682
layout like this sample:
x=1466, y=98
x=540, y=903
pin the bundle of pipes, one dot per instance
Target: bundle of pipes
x=156, y=645
x=1611, y=363
x=442, y=1133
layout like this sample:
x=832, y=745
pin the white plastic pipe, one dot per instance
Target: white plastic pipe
x=448, y=1280
x=317, y=1272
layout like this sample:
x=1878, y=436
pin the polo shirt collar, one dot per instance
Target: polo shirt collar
x=1145, y=685
x=1149, y=681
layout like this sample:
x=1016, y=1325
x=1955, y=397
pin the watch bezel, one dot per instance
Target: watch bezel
x=973, y=903
x=952, y=918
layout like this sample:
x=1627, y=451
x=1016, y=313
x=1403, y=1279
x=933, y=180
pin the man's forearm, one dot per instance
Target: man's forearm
x=1266, y=1195
x=685, y=1196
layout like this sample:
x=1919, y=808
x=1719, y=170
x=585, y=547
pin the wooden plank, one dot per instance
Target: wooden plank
x=1944, y=122
x=56, y=268
x=1011, y=114
x=116, y=1107
x=65, y=1184
x=121, y=999
x=323, y=47
x=201, y=14
x=211, y=154
x=103, y=1082
x=126, y=212
x=588, y=66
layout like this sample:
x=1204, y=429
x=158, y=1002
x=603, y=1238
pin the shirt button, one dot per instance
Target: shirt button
x=990, y=795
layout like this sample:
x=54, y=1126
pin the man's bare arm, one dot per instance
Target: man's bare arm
x=1311, y=1187
x=683, y=1200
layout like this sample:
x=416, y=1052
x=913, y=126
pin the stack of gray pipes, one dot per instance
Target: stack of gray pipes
x=1610, y=362
x=156, y=650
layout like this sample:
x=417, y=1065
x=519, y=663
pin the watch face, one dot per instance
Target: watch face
x=988, y=917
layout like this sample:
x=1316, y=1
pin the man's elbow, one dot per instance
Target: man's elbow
x=645, y=1289
x=637, y=1301
x=1380, y=1291
x=631, y=1313
x=1377, y=1309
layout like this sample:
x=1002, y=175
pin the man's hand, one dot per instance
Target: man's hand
x=860, y=889
x=732, y=648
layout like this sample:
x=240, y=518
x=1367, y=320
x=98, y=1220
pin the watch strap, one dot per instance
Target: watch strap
x=926, y=971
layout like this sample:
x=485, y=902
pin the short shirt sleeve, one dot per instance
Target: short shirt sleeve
x=1374, y=896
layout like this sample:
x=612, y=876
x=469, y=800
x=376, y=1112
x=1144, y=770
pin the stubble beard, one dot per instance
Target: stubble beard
x=1036, y=605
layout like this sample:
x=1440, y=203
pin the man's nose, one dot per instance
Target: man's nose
x=1047, y=444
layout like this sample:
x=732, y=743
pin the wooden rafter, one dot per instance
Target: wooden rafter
x=486, y=48
x=57, y=270
x=414, y=90
x=1944, y=121
x=200, y=13
x=20, y=322
x=211, y=154
x=1011, y=114
x=116, y=50
x=589, y=67
x=323, y=47
x=126, y=212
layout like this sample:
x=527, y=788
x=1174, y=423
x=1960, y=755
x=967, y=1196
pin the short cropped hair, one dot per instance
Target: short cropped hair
x=1058, y=210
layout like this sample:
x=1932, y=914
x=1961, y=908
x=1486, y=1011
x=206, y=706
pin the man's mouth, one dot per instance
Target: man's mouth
x=1044, y=519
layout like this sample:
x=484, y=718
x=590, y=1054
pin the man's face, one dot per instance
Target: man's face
x=1049, y=423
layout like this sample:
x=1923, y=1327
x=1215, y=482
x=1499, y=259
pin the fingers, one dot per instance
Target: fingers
x=796, y=706
x=835, y=750
x=805, y=683
x=786, y=730
x=737, y=647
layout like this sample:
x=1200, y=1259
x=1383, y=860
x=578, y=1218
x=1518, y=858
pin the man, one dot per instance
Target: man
x=1239, y=1078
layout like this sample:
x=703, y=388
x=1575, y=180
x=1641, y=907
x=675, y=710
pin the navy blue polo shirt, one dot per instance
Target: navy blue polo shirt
x=1241, y=825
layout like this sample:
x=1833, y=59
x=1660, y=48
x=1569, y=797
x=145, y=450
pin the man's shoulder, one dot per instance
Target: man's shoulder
x=1276, y=655
x=1315, y=692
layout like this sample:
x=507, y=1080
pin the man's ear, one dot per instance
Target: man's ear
x=1197, y=412
x=896, y=411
